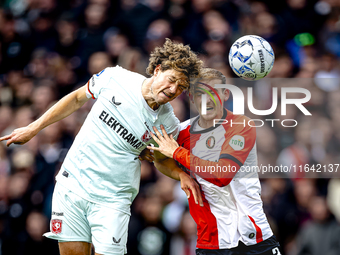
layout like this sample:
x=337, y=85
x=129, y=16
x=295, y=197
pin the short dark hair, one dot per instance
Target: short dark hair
x=209, y=74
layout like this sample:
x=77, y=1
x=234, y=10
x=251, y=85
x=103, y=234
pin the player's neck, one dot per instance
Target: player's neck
x=147, y=93
x=204, y=123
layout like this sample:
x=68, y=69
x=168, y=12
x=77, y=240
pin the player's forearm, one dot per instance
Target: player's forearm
x=63, y=108
x=169, y=168
x=219, y=173
x=199, y=166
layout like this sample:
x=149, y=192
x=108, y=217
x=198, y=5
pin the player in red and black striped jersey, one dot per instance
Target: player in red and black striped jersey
x=221, y=156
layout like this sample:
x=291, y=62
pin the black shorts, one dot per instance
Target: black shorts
x=266, y=247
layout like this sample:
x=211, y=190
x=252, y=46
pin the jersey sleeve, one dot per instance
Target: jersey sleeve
x=170, y=123
x=214, y=176
x=234, y=153
x=184, y=134
x=239, y=144
x=100, y=80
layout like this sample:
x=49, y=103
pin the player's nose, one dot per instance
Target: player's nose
x=210, y=100
x=173, y=88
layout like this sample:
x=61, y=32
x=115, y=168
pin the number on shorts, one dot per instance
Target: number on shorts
x=276, y=251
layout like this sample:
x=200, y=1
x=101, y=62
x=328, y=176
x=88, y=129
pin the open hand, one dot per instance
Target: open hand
x=187, y=184
x=167, y=145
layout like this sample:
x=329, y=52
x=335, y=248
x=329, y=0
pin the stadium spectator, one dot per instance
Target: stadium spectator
x=320, y=235
x=184, y=240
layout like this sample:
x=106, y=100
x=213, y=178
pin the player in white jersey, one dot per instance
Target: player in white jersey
x=221, y=157
x=100, y=175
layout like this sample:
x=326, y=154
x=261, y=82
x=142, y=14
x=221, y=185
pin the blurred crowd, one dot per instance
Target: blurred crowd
x=49, y=48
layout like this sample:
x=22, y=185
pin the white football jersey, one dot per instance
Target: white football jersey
x=102, y=165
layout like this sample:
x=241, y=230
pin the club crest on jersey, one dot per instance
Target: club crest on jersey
x=210, y=142
x=146, y=137
x=237, y=142
x=56, y=226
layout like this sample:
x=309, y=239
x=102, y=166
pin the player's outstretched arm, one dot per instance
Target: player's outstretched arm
x=63, y=108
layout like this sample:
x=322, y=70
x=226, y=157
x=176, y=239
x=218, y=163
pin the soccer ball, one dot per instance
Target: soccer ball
x=251, y=57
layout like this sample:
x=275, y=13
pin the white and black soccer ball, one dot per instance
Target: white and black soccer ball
x=251, y=57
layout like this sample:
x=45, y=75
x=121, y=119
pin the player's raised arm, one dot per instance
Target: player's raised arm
x=63, y=108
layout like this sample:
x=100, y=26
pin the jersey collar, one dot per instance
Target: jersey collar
x=195, y=122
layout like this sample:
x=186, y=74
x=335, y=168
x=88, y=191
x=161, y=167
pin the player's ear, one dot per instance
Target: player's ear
x=157, y=70
x=226, y=94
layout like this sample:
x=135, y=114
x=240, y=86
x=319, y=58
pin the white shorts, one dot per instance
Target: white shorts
x=76, y=219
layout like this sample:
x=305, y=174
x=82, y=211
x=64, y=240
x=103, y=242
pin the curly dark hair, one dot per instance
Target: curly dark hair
x=175, y=56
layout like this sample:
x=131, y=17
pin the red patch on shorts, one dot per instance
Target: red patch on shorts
x=56, y=226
